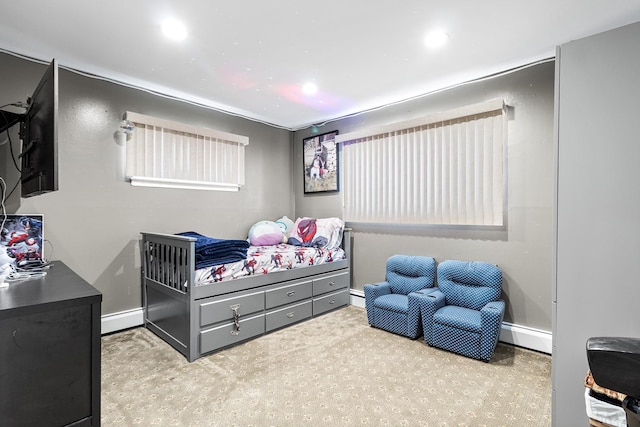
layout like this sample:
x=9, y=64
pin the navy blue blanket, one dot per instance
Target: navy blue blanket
x=211, y=251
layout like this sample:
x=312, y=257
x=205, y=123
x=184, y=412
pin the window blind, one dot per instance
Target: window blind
x=163, y=153
x=446, y=169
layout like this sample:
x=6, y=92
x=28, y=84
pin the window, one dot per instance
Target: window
x=447, y=169
x=162, y=153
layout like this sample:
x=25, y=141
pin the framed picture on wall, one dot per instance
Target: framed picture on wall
x=321, y=163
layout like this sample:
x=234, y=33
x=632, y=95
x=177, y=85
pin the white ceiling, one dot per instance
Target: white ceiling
x=251, y=58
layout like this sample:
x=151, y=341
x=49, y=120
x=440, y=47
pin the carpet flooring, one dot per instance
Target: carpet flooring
x=333, y=370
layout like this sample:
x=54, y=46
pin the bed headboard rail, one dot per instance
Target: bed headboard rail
x=168, y=260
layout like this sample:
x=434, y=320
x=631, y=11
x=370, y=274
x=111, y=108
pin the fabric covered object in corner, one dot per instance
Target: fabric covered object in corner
x=211, y=251
x=317, y=232
x=265, y=233
x=286, y=225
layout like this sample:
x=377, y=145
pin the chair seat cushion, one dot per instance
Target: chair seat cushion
x=393, y=302
x=459, y=317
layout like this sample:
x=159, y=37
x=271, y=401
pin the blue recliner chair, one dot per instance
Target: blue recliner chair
x=465, y=314
x=393, y=305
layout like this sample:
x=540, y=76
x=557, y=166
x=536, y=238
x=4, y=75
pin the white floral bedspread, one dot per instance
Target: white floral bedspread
x=267, y=259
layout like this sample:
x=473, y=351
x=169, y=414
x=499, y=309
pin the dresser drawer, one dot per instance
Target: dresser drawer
x=330, y=301
x=287, y=315
x=288, y=294
x=227, y=334
x=330, y=283
x=221, y=310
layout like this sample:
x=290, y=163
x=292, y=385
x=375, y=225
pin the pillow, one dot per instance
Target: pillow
x=320, y=233
x=265, y=233
x=286, y=225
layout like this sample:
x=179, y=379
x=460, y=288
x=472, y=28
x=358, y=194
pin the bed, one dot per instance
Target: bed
x=202, y=310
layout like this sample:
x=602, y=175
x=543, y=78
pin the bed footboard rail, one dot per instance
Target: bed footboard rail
x=168, y=276
x=168, y=260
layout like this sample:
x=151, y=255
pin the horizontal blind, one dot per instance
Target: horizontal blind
x=446, y=172
x=163, y=153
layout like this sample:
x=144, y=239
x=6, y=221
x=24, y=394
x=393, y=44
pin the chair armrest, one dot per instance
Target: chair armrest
x=492, y=312
x=417, y=296
x=426, y=291
x=414, y=315
x=491, y=316
x=434, y=298
x=375, y=290
x=429, y=304
x=371, y=292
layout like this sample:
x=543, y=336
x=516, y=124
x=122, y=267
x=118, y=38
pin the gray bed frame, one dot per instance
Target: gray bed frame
x=197, y=320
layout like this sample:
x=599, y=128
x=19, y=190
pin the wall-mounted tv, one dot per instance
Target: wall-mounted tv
x=39, y=134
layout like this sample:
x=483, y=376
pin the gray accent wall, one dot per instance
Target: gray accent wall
x=524, y=249
x=93, y=222
x=597, y=244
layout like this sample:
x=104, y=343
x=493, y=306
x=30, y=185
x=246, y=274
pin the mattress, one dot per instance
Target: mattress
x=268, y=259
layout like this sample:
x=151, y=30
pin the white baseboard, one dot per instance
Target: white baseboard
x=522, y=336
x=122, y=320
x=357, y=298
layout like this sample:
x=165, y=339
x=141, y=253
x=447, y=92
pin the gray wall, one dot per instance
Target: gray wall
x=94, y=219
x=598, y=206
x=93, y=222
x=523, y=251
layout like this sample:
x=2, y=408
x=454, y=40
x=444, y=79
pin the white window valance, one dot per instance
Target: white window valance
x=164, y=153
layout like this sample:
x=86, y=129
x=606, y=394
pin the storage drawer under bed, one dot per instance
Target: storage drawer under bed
x=221, y=310
x=288, y=315
x=330, y=301
x=330, y=283
x=228, y=334
x=288, y=294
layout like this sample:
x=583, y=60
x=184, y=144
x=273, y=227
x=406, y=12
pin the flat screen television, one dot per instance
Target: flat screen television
x=39, y=134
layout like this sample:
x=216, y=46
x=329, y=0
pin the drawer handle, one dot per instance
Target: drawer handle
x=236, y=319
x=291, y=293
x=290, y=315
x=332, y=301
x=332, y=283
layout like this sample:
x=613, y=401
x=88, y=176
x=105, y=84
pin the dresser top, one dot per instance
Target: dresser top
x=59, y=287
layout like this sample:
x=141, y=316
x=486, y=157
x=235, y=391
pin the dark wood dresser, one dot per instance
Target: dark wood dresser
x=50, y=351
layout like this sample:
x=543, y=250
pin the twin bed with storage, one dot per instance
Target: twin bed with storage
x=202, y=310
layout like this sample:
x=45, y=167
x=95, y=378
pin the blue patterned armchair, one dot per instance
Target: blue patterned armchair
x=393, y=305
x=465, y=314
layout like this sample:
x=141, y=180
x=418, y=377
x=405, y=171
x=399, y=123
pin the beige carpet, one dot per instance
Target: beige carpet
x=334, y=370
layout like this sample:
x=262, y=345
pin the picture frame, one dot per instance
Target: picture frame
x=22, y=238
x=321, y=163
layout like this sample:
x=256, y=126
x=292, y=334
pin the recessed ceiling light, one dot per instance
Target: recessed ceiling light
x=309, y=89
x=436, y=38
x=174, y=29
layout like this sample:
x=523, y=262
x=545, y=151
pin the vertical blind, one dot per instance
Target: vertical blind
x=163, y=153
x=445, y=169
